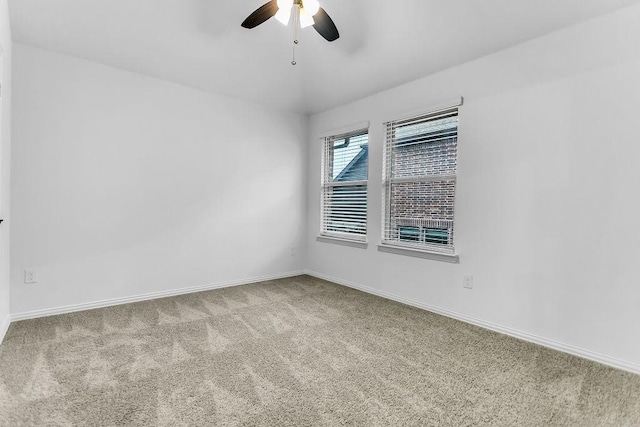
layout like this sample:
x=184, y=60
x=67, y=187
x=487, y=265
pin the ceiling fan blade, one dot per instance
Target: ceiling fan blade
x=261, y=14
x=324, y=26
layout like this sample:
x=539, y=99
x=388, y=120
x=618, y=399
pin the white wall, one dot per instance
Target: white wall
x=126, y=185
x=547, y=204
x=5, y=164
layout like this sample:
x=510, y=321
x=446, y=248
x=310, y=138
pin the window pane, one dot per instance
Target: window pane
x=410, y=234
x=420, y=179
x=426, y=206
x=425, y=158
x=415, y=131
x=436, y=235
x=345, y=209
x=344, y=204
x=350, y=159
x=423, y=200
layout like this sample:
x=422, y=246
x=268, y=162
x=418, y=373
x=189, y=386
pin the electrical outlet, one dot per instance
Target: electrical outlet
x=467, y=282
x=292, y=250
x=30, y=275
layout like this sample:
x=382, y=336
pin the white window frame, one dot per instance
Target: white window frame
x=328, y=186
x=421, y=249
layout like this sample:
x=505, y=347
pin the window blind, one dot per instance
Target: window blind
x=345, y=169
x=420, y=166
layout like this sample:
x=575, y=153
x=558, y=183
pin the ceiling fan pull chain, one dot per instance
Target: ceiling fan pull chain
x=296, y=18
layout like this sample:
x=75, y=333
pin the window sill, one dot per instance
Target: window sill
x=418, y=253
x=344, y=242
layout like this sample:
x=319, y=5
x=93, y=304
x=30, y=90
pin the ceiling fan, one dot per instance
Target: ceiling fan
x=305, y=13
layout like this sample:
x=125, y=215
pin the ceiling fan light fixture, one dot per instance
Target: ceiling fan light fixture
x=284, y=11
x=284, y=4
x=306, y=19
x=311, y=6
x=306, y=13
x=283, y=15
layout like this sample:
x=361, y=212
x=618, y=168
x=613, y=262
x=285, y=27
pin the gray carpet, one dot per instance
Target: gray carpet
x=298, y=352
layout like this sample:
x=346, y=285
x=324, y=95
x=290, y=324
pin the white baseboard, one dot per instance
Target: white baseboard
x=4, y=327
x=525, y=336
x=144, y=297
x=566, y=348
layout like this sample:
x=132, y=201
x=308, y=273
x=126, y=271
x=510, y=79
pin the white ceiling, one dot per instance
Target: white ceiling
x=382, y=43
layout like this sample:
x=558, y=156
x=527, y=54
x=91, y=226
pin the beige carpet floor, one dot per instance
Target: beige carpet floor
x=294, y=352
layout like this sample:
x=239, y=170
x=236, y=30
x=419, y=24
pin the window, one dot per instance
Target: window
x=420, y=181
x=409, y=234
x=345, y=169
x=436, y=235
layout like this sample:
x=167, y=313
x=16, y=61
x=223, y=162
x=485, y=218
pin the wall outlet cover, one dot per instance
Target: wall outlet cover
x=467, y=282
x=30, y=275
